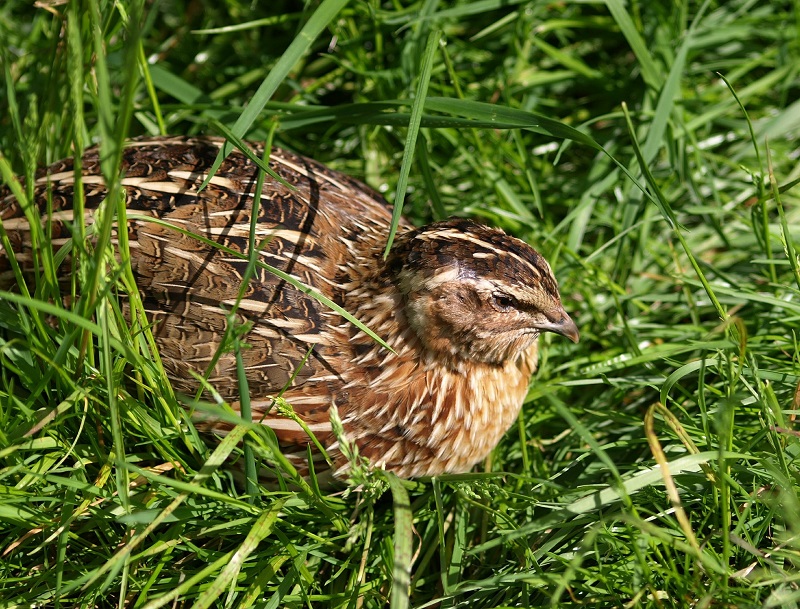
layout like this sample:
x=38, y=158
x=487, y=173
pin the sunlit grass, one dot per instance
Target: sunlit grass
x=649, y=150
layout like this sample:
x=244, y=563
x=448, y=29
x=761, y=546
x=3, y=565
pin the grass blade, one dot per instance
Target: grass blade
x=411, y=137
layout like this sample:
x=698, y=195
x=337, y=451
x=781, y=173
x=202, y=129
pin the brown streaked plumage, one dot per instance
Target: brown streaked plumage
x=460, y=304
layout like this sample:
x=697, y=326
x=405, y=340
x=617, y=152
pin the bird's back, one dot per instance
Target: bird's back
x=191, y=261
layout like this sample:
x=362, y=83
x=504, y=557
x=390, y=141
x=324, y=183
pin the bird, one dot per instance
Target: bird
x=460, y=305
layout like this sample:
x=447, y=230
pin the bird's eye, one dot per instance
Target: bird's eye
x=502, y=301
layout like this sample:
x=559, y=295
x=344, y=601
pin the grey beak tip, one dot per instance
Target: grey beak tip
x=570, y=330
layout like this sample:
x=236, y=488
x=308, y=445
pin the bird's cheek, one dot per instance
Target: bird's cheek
x=432, y=323
x=418, y=314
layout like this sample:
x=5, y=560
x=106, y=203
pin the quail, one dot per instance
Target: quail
x=460, y=304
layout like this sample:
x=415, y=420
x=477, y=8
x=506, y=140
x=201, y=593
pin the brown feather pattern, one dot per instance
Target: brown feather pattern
x=461, y=304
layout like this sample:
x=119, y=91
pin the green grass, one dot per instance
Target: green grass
x=648, y=149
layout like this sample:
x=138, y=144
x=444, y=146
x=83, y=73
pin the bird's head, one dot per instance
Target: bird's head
x=476, y=293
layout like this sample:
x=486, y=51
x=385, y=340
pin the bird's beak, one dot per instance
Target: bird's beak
x=563, y=326
x=568, y=328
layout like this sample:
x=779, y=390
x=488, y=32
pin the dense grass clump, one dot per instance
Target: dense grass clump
x=648, y=149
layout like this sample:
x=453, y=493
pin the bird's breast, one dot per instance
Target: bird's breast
x=427, y=418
